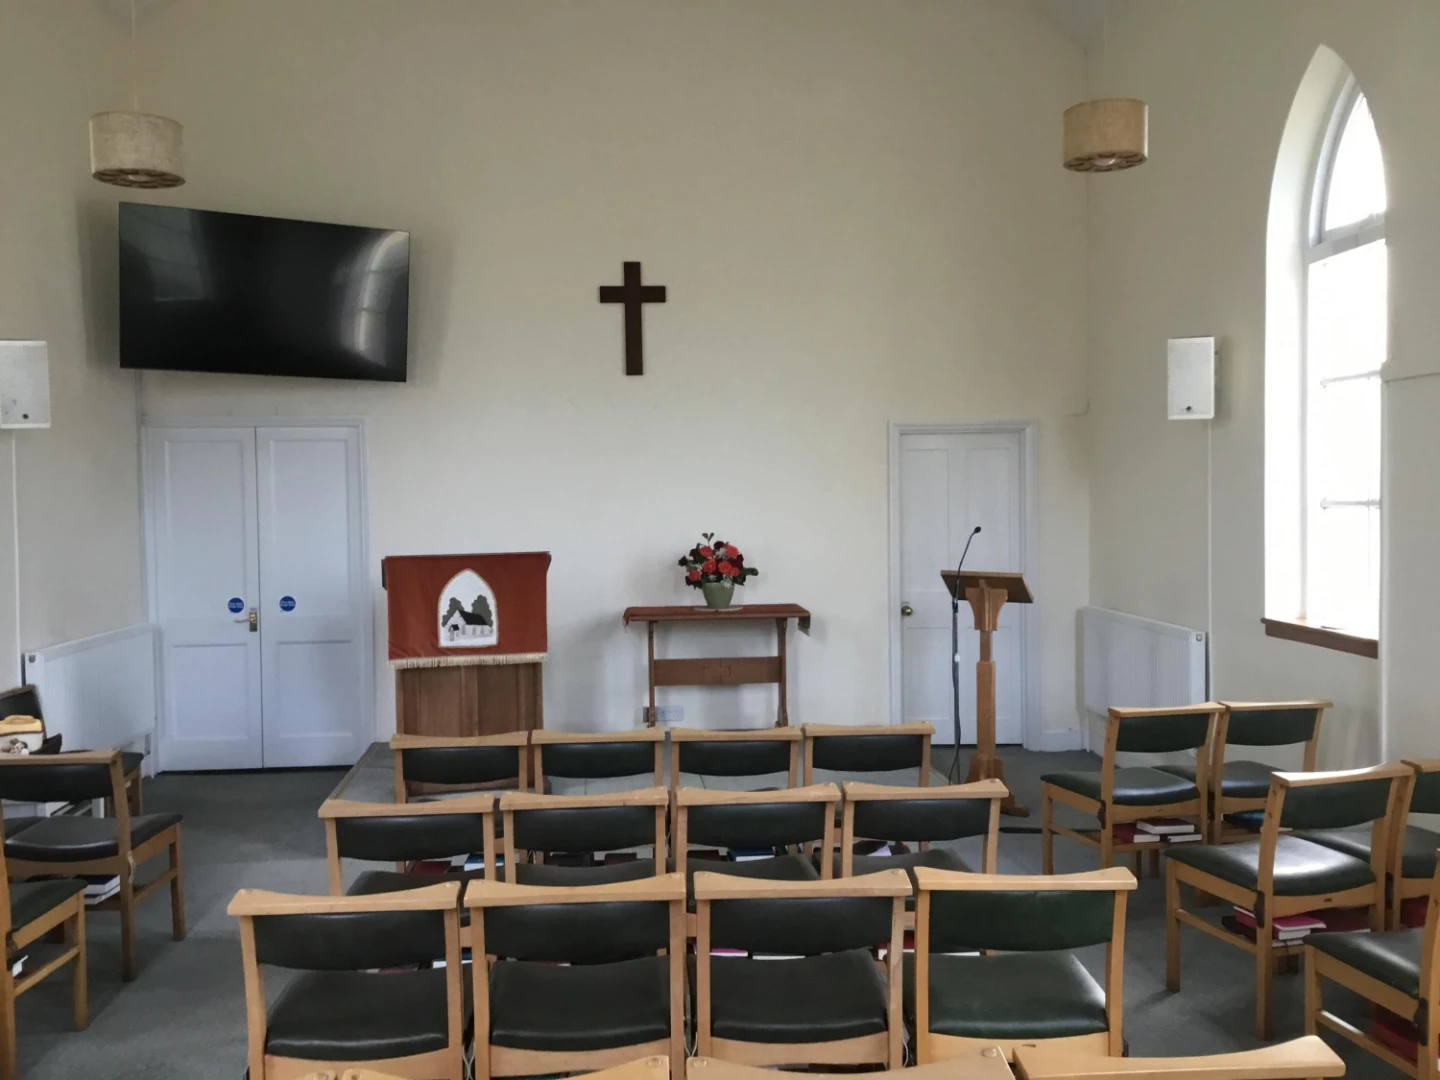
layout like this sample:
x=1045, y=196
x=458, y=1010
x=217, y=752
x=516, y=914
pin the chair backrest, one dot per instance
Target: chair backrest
x=741, y=819
x=1332, y=800
x=406, y=832
x=952, y=812
x=1160, y=731
x=800, y=918
x=599, y=756
x=752, y=752
x=573, y=824
x=463, y=761
x=1307, y=1056
x=877, y=748
x=591, y=924
x=1425, y=789
x=70, y=777
x=1020, y=913
x=1273, y=723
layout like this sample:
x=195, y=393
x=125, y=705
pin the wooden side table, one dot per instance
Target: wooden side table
x=720, y=671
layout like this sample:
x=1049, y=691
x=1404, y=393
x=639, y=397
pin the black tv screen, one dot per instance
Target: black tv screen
x=207, y=291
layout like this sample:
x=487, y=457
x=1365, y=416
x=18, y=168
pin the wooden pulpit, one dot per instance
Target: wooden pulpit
x=987, y=591
x=468, y=641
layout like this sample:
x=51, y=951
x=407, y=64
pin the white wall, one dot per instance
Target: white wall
x=858, y=210
x=1177, y=248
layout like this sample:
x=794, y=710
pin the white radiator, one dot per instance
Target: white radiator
x=101, y=691
x=1130, y=661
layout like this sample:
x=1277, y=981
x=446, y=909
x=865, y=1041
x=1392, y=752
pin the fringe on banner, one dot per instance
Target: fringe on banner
x=469, y=660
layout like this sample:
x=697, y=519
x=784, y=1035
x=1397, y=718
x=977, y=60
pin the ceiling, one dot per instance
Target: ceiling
x=1083, y=21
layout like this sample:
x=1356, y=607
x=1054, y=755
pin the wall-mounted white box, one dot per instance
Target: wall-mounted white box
x=24, y=384
x=1191, y=364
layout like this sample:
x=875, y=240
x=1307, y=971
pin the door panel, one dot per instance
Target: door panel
x=313, y=614
x=203, y=527
x=949, y=483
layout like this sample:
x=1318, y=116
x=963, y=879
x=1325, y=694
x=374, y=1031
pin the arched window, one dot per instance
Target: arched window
x=1342, y=349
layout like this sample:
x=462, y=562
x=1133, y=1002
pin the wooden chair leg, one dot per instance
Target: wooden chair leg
x=1107, y=845
x=1047, y=837
x=1313, y=1000
x=1155, y=861
x=1264, y=975
x=81, y=986
x=9, y=1058
x=177, y=891
x=137, y=796
x=127, y=926
x=1172, y=928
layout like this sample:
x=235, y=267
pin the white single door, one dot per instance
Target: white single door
x=313, y=611
x=205, y=574
x=949, y=483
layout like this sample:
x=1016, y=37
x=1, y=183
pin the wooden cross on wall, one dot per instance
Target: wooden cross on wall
x=633, y=295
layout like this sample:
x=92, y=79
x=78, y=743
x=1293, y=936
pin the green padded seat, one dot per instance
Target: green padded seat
x=1240, y=780
x=1133, y=787
x=29, y=900
x=1301, y=867
x=1418, y=861
x=1391, y=956
x=1039, y=995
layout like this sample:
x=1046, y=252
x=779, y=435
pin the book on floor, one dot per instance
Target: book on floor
x=1166, y=826
x=1283, y=927
x=1239, y=929
x=100, y=887
x=1182, y=838
x=1126, y=833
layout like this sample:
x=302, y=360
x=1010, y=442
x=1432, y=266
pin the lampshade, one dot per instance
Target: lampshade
x=1107, y=135
x=136, y=150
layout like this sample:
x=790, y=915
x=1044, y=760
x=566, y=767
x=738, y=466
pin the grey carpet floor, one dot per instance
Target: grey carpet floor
x=184, y=1017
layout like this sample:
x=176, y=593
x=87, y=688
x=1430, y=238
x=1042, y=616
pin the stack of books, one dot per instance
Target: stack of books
x=1167, y=830
x=1285, y=930
x=99, y=888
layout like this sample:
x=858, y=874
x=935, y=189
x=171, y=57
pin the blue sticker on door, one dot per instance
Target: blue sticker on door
x=236, y=605
x=287, y=603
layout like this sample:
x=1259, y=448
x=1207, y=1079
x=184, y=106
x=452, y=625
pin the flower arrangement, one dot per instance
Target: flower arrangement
x=714, y=562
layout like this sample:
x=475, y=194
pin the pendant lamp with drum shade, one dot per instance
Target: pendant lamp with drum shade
x=135, y=149
x=1106, y=134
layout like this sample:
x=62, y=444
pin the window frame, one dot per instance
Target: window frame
x=1318, y=244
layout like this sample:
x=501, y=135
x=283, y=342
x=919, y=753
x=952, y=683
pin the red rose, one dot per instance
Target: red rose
x=727, y=569
x=708, y=566
x=693, y=575
x=707, y=551
x=735, y=553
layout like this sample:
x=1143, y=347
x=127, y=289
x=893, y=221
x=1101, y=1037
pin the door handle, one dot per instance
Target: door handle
x=906, y=610
x=254, y=619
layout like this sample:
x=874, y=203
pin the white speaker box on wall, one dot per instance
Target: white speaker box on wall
x=1191, y=363
x=24, y=384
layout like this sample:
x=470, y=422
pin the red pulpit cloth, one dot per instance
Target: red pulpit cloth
x=455, y=610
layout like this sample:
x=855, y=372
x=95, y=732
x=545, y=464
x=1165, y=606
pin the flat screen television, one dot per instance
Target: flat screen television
x=207, y=291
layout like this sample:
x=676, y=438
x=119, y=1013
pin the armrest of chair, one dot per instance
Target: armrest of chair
x=857, y=791
x=461, y=804
x=711, y=886
x=441, y=897
x=1111, y=879
x=1307, y=1056
x=529, y=800
x=484, y=894
x=1394, y=770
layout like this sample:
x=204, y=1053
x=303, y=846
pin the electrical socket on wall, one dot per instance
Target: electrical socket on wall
x=665, y=715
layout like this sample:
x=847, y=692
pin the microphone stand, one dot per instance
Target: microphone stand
x=954, y=773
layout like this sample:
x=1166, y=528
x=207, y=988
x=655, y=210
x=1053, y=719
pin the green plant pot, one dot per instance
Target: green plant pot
x=718, y=593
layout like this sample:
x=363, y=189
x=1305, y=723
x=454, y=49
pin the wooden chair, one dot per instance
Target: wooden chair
x=340, y=1012
x=404, y=833
x=74, y=845
x=598, y=756
x=749, y=752
x=460, y=762
x=28, y=912
x=1033, y=990
x=824, y=1002
x=1241, y=787
x=1410, y=860
x=584, y=978
x=540, y=825
x=986, y=1064
x=1398, y=970
x=1293, y=1060
x=1288, y=874
x=25, y=701
x=1116, y=795
x=651, y=1068
x=876, y=748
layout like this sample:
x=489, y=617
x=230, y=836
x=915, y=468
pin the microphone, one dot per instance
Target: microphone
x=955, y=655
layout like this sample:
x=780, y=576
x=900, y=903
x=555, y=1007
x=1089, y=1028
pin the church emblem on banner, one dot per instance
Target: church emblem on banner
x=469, y=616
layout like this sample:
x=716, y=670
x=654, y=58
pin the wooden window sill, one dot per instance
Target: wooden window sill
x=1339, y=640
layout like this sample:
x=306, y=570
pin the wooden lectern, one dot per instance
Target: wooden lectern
x=988, y=591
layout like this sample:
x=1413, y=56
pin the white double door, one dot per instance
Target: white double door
x=949, y=483
x=256, y=558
